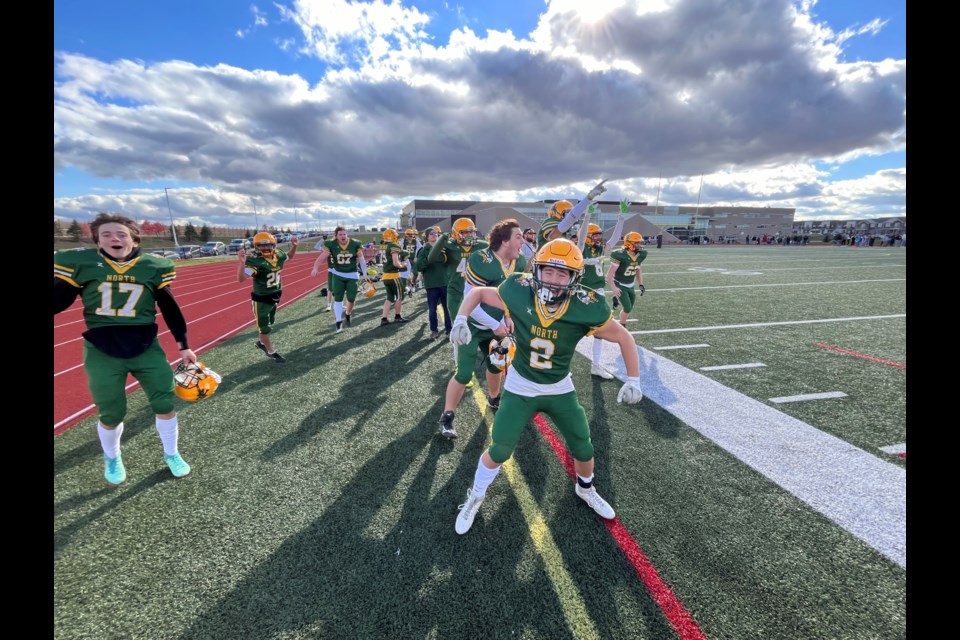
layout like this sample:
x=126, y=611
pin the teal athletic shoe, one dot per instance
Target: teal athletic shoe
x=113, y=469
x=178, y=466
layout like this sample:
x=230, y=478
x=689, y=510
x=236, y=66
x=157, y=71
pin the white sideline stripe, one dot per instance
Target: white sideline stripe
x=747, y=365
x=772, y=284
x=826, y=395
x=859, y=491
x=766, y=324
x=895, y=448
x=682, y=346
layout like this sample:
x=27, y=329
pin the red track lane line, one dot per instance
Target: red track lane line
x=860, y=355
x=678, y=616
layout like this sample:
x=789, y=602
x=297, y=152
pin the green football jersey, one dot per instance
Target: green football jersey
x=594, y=274
x=390, y=248
x=627, y=265
x=410, y=246
x=343, y=258
x=456, y=263
x=266, y=273
x=485, y=269
x=546, y=341
x=115, y=293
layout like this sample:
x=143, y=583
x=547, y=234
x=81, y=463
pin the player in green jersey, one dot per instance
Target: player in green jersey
x=264, y=265
x=122, y=288
x=397, y=261
x=624, y=269
x=563, y=216
x=485, y=268
x=452, y=250
x=411, y=244
x=548, y=313
x=594, y=275
x=344, y=256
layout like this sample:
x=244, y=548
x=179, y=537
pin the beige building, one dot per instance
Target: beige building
x=677, y=224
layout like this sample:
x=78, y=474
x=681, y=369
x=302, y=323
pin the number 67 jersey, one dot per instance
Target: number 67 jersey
x=115, y=293
x=546, y=340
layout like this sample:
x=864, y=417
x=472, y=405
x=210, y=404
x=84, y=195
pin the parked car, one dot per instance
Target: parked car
x=236, y=244
x=213, y=249
x=166, y=253
x=189, y=251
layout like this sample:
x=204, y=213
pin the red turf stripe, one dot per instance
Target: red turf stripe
x=860, y=355
x=681, y=620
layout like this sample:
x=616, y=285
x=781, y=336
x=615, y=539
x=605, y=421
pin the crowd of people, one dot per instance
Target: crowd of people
x=519, y=300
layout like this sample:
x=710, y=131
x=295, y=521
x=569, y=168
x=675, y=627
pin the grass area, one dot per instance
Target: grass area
x=322, y=501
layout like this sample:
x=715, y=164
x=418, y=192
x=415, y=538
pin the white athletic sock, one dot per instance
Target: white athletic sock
x=586, y=483
x=482, y=478
x=168, y=431
x=597, y=350
x=110, y=439
x=338, y=311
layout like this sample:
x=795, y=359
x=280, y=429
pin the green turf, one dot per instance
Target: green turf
x=322, y=501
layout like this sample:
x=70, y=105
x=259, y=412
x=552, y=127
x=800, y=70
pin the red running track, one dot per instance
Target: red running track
x=215, y=305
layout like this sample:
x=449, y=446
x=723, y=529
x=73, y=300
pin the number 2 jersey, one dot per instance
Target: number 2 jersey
x=546, y=341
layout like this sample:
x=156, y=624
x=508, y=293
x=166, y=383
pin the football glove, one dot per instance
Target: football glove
x=642, y=288
x=460, y=331
x=597, y=190
x=624, y=206
x=592, y=209
x=630, y=392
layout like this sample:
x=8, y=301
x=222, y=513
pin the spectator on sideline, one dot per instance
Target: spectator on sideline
x=264, y=266
x=121, y=289
x=435, y=282
x=547, y=302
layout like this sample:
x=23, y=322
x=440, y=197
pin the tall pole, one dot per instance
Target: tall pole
x=656, y=207
x=696, y=211
x=256, y=218
x=173, y=227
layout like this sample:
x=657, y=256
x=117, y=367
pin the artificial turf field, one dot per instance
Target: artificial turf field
x=322, y=499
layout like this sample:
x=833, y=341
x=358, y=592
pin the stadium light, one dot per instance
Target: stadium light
x=173, y=227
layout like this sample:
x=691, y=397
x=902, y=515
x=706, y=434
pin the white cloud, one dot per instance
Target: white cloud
x=749, y=94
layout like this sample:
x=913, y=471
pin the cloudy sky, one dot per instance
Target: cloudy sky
x=315, y=112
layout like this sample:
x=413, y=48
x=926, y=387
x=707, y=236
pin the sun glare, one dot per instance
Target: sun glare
x=587, y=12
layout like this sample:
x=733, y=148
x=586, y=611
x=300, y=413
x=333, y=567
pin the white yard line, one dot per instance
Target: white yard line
x=724, y=367
x=766, y=324
x=857, y=490
x=826, y=395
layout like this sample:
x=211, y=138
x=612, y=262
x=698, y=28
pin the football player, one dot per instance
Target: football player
x=411, y=244
x=396, y=263
x=344, y=257
x=548, y=313
x=122, y=288
x=452, y=250
x=624, y=269
x=563, y=216
x=264, y=265
x=594, y=276
x=485, y=268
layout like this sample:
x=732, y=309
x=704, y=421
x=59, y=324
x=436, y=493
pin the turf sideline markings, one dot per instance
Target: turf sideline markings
x=861, y=355
x=765, y=324
x=857, y=490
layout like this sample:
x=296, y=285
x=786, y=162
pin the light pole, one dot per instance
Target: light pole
x=256, y=218
x=173, y=227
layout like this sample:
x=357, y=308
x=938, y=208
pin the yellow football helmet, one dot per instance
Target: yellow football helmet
x=195, y=382
x=501, y=352
x=592, y=230
x=562, y=254
x=390, y=235
x=265, y=244
x=366, y=289
x=559, y=209
x=464, y=232
x=410, y=234
x=633, y=241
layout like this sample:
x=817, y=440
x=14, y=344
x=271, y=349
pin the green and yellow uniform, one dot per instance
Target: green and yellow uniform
x=594, y=274
x=119, y=309
x=483, y=269
x=624, y=276
x=267, y=286
x=393, y=282
x=539, y=376
x=454, y=258
x=343, y=264
x=410, y=246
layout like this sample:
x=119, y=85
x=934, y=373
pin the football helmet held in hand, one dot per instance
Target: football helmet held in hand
x=195, y=382
x=501, y=352
x=366, y=289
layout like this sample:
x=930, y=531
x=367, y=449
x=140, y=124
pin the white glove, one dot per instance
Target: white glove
x=597, y=190
x=630, y=391
x=460, y=331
